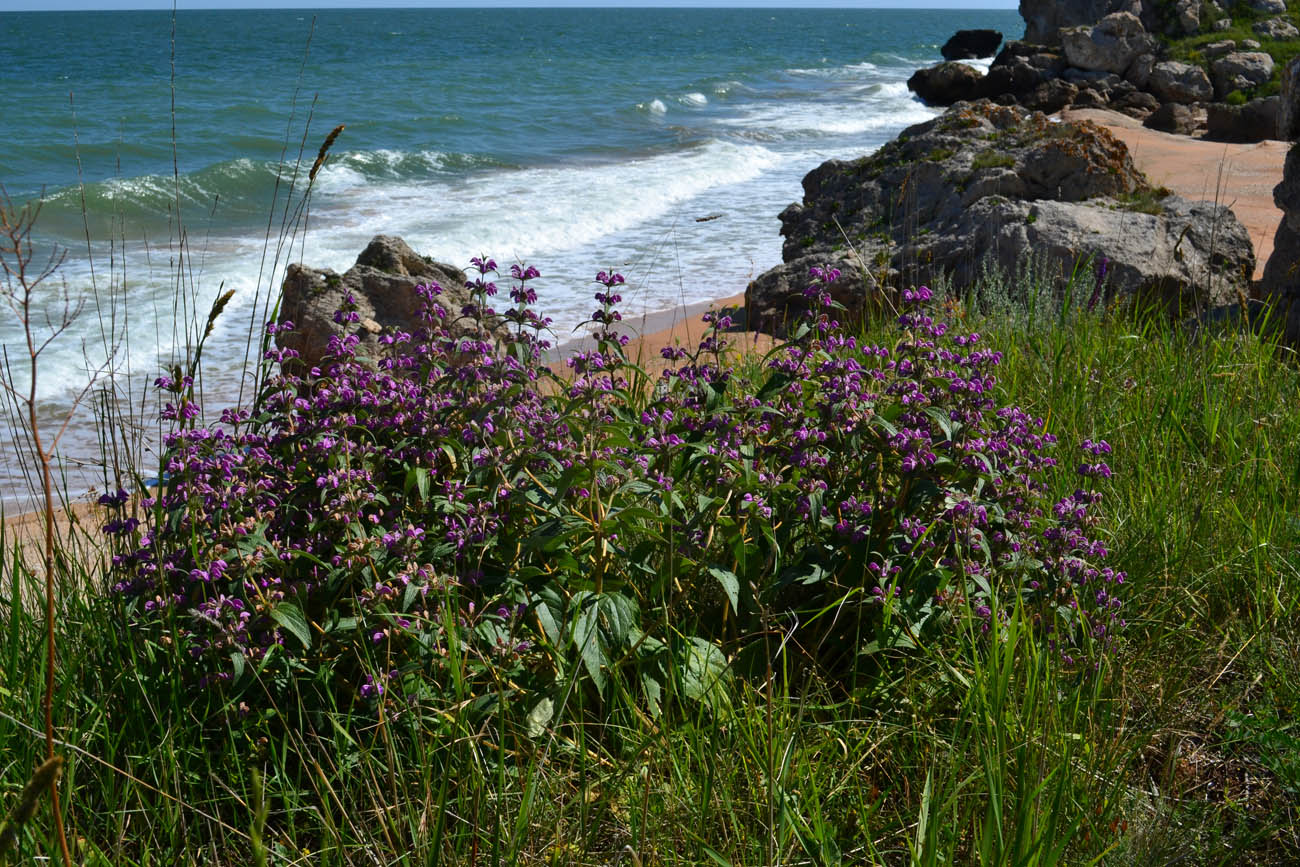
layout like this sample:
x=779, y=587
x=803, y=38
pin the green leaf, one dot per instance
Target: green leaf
x=290, y=616
x=653, y=693
x=539, y=718
x=730, y=585
x=586, y=635
x=620, y=617
x=705, y=674
x=418, y=478
x=546, y=618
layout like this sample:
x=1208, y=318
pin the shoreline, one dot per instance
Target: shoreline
x=1241, y=176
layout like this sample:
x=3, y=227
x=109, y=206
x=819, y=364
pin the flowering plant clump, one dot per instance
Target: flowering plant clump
x=454, y=520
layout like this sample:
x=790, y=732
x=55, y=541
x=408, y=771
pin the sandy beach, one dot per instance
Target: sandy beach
x=1241, y=176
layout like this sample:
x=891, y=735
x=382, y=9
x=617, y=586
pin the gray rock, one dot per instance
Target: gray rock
x=1137, y=104
x=1017, y=48
x=1110, y=45
x=1191, y=256
x=1286, y=195
x=1188, y=13
x=1172, y=117
x=1222, y=24
x=1288, y=109
x=1173, y=81
x=1044, y=19
x=945, y=83
x=1051, y=96
x=966, y=44
x=1017, y=77
x=1241, y=70
x=382, y=283
x=1139, y=71
x=1089, y=97
x=1218, y=49
x=1272, y=7
x=1276, y=28
x=1252, y=122
x=1250, y=45
x=1097, y=78
x=1280, y=286
x=986, y=186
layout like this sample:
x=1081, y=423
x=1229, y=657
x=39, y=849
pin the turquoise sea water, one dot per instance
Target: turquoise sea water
x=574, y=139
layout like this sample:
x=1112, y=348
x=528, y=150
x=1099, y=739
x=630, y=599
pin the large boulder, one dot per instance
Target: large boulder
x=1051, y=96
x=1269, y=7
x=1281, y=282
x=1017, y=78
x=1288, y=109
x=1188, y=15
x=1252, y=122
x=382, y=284
x=1276, y=28
x=1218, y=49
x=1110, y=45
x=1172, y=81
x=992, y=187
x=1137, y=104
x=1241, y=70
x=1139, y=71
x=1044, y=19
x=1174, y=117
x=945, y=83
x=966, y=44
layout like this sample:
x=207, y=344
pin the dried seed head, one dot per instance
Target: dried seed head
x=324, y=150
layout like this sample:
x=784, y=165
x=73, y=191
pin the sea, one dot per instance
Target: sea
x=169, y=156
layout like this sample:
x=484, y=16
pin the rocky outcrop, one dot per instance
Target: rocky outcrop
x=1280, y=285
x=946, y=83
x=1111, y=45
x=992, y=187
x=1288, y=108
x=1241, y=70
x=1044, y=19
x=1172, y=81
x=967, y=44
x=382, y=284
x=1252, y=122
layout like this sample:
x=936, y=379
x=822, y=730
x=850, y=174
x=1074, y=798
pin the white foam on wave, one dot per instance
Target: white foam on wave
x=797, y=120
x=891, y=89
x=694, y=99
x=526, y=212
x=654, y=106
x=848, y=71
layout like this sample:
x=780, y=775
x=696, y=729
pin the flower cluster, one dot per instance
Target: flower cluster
x=368, y=520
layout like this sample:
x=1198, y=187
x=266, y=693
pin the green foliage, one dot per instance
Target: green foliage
x=988, y=159
x=1146, y=200
x=962, y=750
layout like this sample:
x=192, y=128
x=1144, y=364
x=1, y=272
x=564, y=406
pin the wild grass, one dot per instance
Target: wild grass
x=1183, y=748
